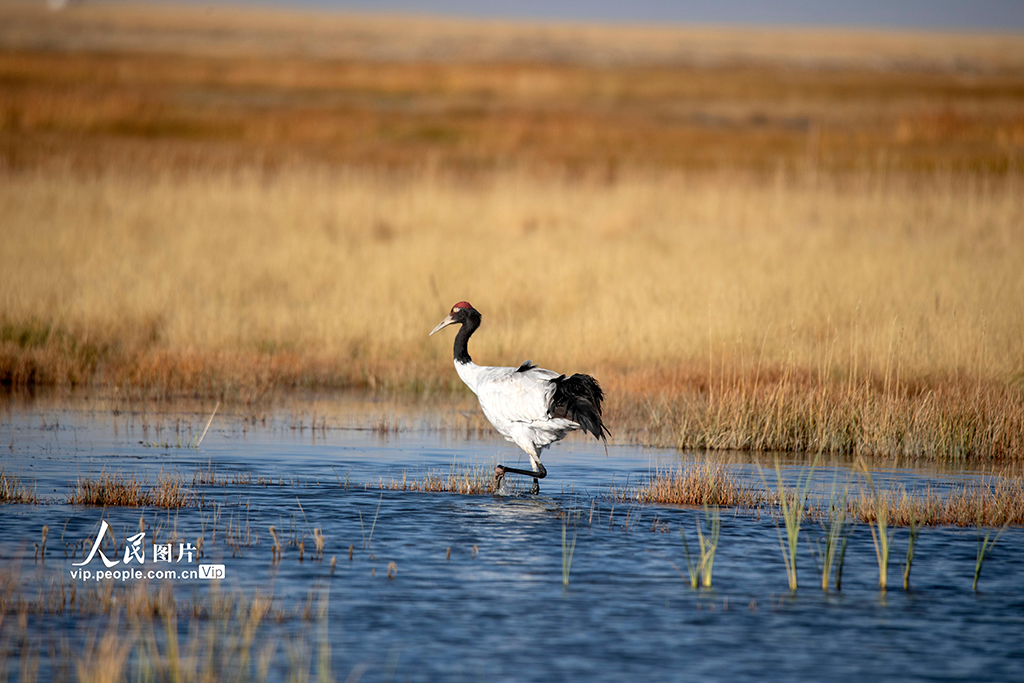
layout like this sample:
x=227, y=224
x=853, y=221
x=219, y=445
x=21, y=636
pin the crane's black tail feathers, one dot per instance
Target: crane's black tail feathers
x=578, y=398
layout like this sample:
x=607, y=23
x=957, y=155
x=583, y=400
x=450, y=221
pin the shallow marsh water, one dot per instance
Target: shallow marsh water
x=496, y=608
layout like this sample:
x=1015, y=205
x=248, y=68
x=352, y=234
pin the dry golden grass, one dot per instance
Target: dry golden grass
x=706, y=484
x=163, y=283
x=139, y=600
x=145, y=113
x=151, y=89
x=105, y=661
x=229, y=642
x=982, y=505
x=13, y=491
x=115, y=490
x=926, y=419
x=790, y=244
x=474, y=481
x=211, y=477
x=993, y=504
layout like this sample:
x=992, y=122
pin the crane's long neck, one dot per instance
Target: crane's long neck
x=462, y=339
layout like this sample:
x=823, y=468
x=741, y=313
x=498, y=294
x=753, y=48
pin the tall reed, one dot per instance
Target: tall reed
x=984, y=547
x=830, y=558
x=700, y=569
x=567, y=550
x=915, y=530
x=880, y=533
x=793, y=507
x=12, y=490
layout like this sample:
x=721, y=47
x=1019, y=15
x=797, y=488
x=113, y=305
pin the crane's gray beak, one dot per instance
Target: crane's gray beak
x=444, y=323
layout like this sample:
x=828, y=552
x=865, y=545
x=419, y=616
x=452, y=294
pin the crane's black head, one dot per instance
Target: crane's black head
x=462, y=314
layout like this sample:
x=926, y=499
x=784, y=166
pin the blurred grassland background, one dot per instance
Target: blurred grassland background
x=766, y=239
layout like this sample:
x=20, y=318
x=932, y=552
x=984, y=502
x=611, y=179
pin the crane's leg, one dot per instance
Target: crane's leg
x=538, y=472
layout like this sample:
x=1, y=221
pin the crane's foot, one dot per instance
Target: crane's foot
x=500, y=471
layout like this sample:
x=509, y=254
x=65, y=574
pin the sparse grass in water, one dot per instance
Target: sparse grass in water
x=13, y=491
x=986, y=503
x=199, y=439
x=142, y=633
x=368, y=541
x=567, y=549
x=793, y=507
x=469, y=481
x=880, y=533
x=706, y=484
x=984, y=547
x=991, y=503
x=914, y=532
x=275, y=550
x=830, y=558
x=700, y=569
x=219, y=647
x=116, y=490
x=211, y=477
x=105, y=661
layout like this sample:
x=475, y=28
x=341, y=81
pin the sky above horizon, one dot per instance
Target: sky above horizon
x=931, y=14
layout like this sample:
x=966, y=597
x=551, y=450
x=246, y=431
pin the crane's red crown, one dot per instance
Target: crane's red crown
x=461, y=304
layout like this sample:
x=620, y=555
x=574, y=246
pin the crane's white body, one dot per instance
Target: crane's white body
x=530, y=406
x=517, y=403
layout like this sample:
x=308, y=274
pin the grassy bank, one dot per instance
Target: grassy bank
x=720, y=311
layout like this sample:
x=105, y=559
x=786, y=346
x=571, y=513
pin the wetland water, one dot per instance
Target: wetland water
x=496, y=608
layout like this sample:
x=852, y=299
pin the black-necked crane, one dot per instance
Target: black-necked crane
x=530, y=406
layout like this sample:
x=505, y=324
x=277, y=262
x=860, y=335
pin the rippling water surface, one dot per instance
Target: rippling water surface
x=477, y=590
